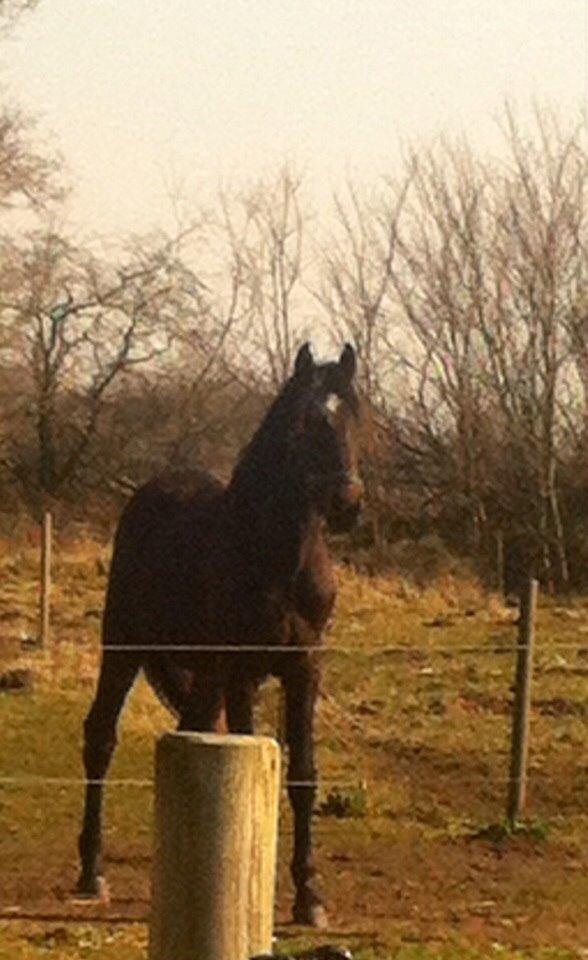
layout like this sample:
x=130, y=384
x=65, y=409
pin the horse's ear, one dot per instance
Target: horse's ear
x=348, y=362
x=304, y=363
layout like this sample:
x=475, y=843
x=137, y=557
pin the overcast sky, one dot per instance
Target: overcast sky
x=141, y=93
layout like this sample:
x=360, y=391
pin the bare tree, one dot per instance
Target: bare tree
x=440, y=281
x=263, y=227
x=534, y=334
x=356, y=288
x=355, y=291
x=465, y=284
x=27, y=178
x=12, y=10
x=26, y=175
x=74, y=326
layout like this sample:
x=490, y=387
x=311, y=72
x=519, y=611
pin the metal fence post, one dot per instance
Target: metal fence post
x=45, y=600
x=522, y=703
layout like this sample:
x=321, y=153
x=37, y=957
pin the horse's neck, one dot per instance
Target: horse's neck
x=274, y=526
x=271, y=514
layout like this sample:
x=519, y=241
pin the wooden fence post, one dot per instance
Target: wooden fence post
x=45, y=602
x=216, y=817
x=522, y=703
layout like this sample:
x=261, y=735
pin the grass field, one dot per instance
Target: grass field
x=413, y=756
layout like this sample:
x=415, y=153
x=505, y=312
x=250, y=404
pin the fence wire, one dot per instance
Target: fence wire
x=346, y=651
x=423, y=654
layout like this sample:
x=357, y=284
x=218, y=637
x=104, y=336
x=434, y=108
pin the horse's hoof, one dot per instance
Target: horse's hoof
x=329, y=952
x=271, y=956
x=311, y=915
x=94, y=891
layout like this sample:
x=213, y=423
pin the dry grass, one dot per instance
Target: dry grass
x=416, y=743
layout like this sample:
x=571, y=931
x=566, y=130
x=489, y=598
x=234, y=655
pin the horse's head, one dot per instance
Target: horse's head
x=326, y=447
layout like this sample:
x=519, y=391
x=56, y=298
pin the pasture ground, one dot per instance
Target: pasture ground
x=413, y=756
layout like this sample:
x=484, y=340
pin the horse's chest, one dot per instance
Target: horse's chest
x=278, y=617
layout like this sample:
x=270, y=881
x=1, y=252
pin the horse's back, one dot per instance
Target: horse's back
x=165, y=537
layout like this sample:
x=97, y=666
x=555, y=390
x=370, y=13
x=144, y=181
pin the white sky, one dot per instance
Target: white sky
x=140, y=93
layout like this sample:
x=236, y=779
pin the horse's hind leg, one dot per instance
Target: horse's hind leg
x=117, y=673
x=204, y=709
x=240, y=694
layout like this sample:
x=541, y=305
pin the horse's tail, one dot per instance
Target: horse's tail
x=170, y=683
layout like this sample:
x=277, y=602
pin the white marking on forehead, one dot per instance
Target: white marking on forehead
x=333, y=403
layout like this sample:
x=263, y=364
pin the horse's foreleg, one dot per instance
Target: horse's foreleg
x=117, y=673
x=301, y=687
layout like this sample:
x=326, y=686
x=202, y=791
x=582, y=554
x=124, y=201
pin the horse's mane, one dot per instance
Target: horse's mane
x=264, y=454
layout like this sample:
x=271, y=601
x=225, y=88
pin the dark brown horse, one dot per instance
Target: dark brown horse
x=244, y=567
